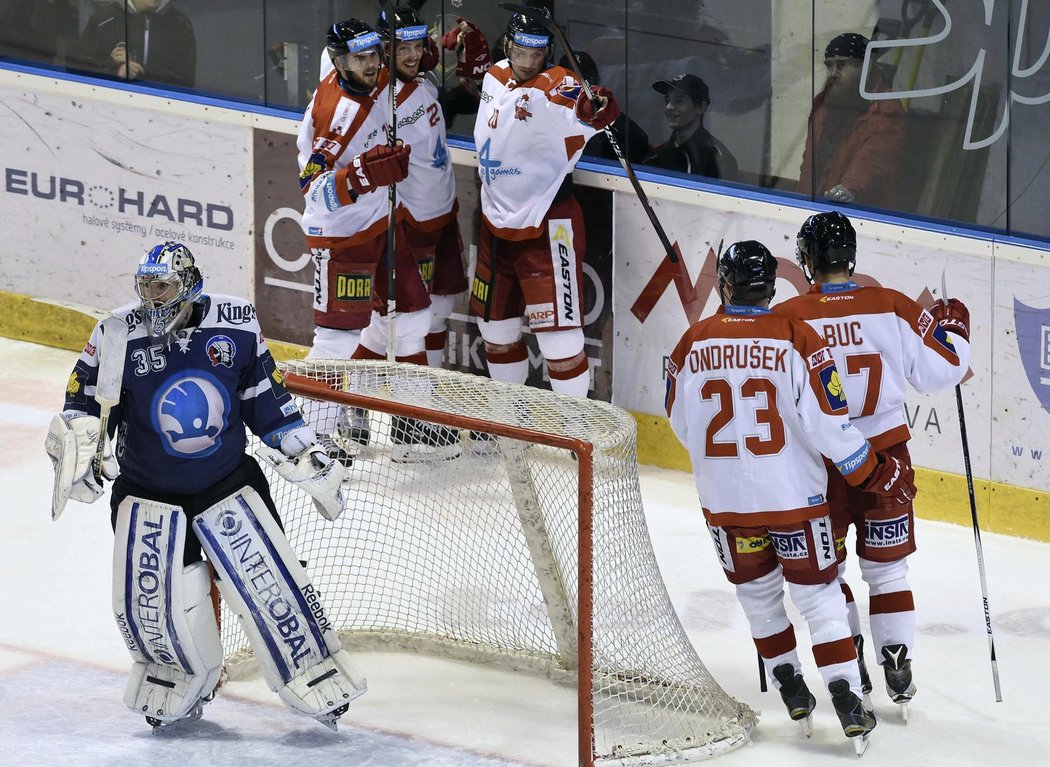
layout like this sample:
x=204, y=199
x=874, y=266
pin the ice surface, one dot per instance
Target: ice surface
x=62, y=662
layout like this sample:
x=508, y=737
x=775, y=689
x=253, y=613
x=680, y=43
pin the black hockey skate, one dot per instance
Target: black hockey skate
x=417, y=441
x=483, y=443
x=159, y=726
x=899, y=685
x=857, y=722
x=335, y=451
x=331, y=719
x=865, y=680
x=353, y=426
x=796, y=696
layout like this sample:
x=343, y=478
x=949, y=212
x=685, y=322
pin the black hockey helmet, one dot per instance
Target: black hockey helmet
x=747, y=272
x=351, y=36
x=828, y=240
x=525, y=30
x=407, y=23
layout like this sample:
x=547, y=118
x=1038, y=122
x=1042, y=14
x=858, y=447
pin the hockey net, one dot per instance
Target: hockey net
x=529, y=548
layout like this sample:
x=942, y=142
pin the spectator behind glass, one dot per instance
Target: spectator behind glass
x=152, y=41
x=629, y=135
x=691, y=148
x=853, y=146
x=29, y=29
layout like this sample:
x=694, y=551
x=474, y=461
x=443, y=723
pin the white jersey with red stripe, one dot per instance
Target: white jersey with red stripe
x=339, y=125
x=429, y=192
x=528, y=139
x=882, y=341
x=756, y=399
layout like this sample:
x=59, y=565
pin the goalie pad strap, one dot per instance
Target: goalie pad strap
x=264, y=583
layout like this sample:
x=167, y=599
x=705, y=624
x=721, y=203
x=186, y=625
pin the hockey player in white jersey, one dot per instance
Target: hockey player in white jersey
x=755, y=398
x=882, y=342
x=185, y=374
x=532, y=124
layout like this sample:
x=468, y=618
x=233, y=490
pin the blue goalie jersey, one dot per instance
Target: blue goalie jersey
x=184, y=405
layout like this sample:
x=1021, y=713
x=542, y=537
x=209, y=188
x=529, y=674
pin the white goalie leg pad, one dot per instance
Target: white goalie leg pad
x=164, y=612
x=280, y=610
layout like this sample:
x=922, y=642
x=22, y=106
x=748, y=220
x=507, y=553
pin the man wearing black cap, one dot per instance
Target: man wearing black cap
x=691, y=148
x=853, y=146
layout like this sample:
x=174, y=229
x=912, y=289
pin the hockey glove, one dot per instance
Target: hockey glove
x=381, y=165
x=471, y=47
x=71, y=443
x=891, y=481
x=953, y=316
x=431, y=56
x=314, y=472
x=606, y=112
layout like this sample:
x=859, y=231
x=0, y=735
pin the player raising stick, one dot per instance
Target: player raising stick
x=197, y=372
x=531, y=127
x=882, y=341
x=755, y=398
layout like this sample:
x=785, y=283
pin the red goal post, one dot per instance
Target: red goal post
x=528, y=549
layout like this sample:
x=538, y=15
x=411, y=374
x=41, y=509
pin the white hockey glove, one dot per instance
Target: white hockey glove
x=311, y=469
x=71, y=443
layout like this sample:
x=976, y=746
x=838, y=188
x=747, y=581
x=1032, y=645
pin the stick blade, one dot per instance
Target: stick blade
x=112, y=352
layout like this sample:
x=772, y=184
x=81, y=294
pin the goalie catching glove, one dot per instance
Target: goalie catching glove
x=891, y=480
x=381, y=165
x=600, y=113
x=303, y=462
x=71, y=442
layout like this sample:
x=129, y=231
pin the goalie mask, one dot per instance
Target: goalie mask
x=829, y=241
x=167, y=283
x=747, y=272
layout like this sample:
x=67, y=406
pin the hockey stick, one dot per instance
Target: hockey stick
x=387, y=8
x=543, y=16
x=112, y=352
x=973, y=518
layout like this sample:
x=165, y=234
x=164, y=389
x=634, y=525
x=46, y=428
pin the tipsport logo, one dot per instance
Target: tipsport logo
x=1033, y=343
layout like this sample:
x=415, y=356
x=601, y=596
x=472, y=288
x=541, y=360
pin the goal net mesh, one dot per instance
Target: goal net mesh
x=465, y=543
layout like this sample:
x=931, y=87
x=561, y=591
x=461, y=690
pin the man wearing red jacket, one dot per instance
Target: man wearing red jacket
x=853, y=145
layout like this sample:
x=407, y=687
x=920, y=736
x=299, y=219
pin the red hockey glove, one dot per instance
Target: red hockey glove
x=607, y=109
x=471, y=46
x=891, y=481
x=953, y=315
x=381, y=165
x=431, y=56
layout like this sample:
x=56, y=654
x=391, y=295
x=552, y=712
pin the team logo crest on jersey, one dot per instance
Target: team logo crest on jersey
x=521, y=108
x=73, y=386
x=314, y=165
x=190, y=413
x=1033, y=343
x=221, y=351
x=940, y=335
x=832, y=385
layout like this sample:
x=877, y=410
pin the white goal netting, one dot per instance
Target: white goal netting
x=464, y=542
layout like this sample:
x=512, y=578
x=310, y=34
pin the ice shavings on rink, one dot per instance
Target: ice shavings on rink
x=62, y=663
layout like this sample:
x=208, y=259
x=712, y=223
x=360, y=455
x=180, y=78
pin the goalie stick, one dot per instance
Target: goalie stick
x=111, y=353
x=543, y=16
x=973, y=517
